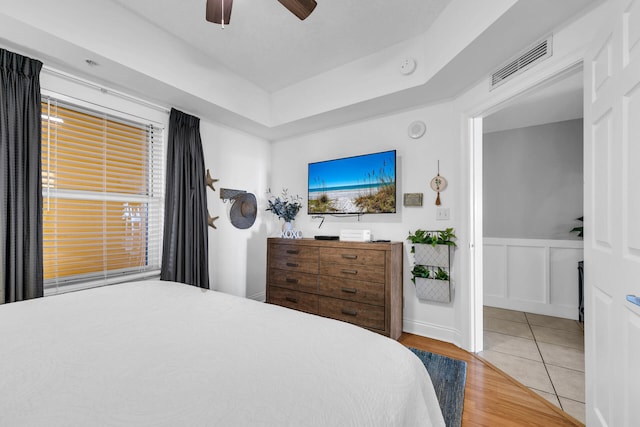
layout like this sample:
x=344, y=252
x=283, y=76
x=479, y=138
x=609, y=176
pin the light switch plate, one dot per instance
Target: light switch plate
x=442, y=214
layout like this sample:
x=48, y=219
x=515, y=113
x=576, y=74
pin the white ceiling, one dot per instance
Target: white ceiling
x=269, y=46
x=554, y=101
x=267, y=54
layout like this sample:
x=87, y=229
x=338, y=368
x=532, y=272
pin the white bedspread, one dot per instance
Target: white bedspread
x=164, y=354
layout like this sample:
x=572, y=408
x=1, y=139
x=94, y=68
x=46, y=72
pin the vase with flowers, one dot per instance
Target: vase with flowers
x=286, y=207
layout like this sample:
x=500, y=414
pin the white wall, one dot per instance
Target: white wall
x=533, y=181
x=237, y=258
x=417, y=164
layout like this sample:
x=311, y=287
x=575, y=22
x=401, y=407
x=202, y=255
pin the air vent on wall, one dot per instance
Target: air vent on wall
x=537, y=53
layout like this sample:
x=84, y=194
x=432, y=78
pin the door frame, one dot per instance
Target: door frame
x=473, y=118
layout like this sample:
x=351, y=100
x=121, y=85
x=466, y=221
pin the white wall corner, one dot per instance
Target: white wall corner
x=433, y=331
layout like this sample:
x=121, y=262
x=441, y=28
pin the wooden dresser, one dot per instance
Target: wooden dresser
x=359, y=283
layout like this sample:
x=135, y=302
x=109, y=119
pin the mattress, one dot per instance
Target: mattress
x=158, y=353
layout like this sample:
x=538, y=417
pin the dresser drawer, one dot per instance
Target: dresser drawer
x=353, y=290
x=353, y=272
x=294, y=258
x=368, y=316
x=293, y=299
x=293, y=280
x=352, y=256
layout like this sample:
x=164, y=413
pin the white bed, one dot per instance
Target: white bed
x=165, y=354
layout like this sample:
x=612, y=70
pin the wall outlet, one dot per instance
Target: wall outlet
x=442, y=214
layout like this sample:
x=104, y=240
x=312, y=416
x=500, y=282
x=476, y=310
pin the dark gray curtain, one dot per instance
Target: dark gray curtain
x=185, y=247
x=20, y=180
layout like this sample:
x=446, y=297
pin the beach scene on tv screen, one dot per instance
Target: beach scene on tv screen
x=361, y=184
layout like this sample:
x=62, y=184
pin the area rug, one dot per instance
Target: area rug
x=448, y=377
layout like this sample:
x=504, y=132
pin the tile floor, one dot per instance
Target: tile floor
x=544, y=353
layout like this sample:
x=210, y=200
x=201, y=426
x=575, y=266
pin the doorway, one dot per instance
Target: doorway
x=528, y=254
x=532, y=199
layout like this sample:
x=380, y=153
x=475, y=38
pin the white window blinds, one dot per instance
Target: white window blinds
x=103, y=190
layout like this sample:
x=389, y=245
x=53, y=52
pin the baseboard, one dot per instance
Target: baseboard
x=260, y=296
x=532, y=307
x=433, y=331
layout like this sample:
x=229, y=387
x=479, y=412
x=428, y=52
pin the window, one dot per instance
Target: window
x=102, y=197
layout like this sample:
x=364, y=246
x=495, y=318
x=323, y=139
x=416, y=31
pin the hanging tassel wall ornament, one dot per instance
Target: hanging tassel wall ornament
x=438, y=184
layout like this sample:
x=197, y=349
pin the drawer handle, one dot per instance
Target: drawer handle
x=349, y=290
x=293, y=251
x=294, y=281
x=347, y=256
x=292, y=264
x=349, y=312
x=292, y=299
x=349, y=271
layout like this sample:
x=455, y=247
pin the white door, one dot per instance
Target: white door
x=612, y=220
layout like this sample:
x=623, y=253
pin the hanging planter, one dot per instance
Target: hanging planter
x=435, y=256
x=431, y=285
x=432, y=256
x=433, y=290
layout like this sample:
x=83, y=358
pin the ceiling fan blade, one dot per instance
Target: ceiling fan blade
x=300, y=8
x=215, y=8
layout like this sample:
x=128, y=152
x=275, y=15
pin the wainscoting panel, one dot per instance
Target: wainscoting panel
x=495, y=279
x=526, y=272
x=532, y=275
x=563, y=276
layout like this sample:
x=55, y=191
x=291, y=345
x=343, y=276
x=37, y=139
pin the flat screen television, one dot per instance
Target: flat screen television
x=353, y=185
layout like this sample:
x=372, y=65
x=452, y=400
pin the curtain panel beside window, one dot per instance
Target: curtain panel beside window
x=20, y=185
x=185, y=253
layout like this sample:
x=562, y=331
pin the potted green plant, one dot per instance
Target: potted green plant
x=579, y=230
x=441, y=274
x=433, y=238
x=419, y=271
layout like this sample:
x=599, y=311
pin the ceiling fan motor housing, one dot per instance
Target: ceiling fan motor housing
x=219, y=11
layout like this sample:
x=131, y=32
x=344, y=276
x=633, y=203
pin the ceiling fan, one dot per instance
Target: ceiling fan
x=219, y=9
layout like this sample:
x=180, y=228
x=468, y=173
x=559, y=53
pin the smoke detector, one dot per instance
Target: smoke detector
x=407, y=66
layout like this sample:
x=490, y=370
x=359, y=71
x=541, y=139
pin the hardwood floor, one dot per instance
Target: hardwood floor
x=491, y=397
